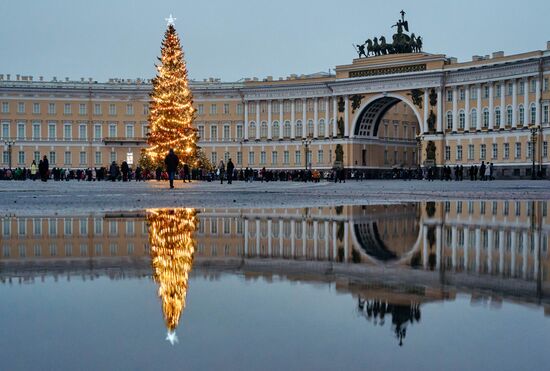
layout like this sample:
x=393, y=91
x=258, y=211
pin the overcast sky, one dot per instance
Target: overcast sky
x=232, y=39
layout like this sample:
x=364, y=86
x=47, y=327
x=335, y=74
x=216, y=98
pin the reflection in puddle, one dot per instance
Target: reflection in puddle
x=172, y=249
x=391, y=258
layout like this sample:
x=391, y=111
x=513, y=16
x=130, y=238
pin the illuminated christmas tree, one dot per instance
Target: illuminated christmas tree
x=171, y=106
x=172, y=250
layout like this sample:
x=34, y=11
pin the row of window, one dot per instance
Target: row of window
x=22, y=159
x=499, y=120
x=494, y=151
x=68, y=132
x=498, y=89
x=321, y=158
x=495, y=207
x=68, y=108
x=68, y=227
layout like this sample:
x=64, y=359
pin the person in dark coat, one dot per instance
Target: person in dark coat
x=230, y=167
x=186, y=173
x=113, y=171
x=125, y=169
x=171, y=161
x=44, y=168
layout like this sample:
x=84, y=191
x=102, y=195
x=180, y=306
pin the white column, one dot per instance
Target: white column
x=425, y=128
x=514, y=103
x=315, y=118
x=455, y=109
x=293, y=238
x=257, y=237
x=258, y=123
x=439, y=119
x=346, y=242
x=503, y=104
x=346, y=117
x=501, y=251
x=304, y=238
x=334, y=117
x=478, y=249
x=536, y=256
x=490, y=243
x=524, y=250
x=281, y=124
x=479, y=108
x=269, y=122
x=467, y=108
x=334, y=242
x=537, y=102
x=326, y=240
x=526, y=110
x=315, y=237
x=466, y=247
x=293, y=119
x=246, y=237
x=304, y=118
x=513, y=254
x=327, y=117
x=439, y=247
x=269, y=235
x=491, y=106
x=425, y=247
x=280, y=238
x=246, y=120
x=453, y=246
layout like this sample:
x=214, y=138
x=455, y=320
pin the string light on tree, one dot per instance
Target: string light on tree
x=172, y=250
x=171, y=107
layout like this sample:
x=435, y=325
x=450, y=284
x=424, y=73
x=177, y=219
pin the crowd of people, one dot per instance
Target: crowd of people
x=228, y=172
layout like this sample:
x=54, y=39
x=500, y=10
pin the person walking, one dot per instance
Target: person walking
x=113, y=171
x=186, y=173
x=221, y=171
x=230, y=167
x=125, y=170
x=171, y=161
x=33, y=170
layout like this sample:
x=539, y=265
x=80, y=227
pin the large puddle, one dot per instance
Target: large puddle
x=438, y=285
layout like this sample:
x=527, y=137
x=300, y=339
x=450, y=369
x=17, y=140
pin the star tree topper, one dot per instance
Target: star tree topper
x=170, y=21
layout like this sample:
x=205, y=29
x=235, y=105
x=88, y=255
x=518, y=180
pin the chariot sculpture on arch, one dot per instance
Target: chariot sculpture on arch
x=401, y=42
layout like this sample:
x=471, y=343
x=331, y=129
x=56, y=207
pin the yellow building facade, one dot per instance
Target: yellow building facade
x=385, y=111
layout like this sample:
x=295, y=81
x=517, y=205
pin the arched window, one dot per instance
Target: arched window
x=252, y=130
x=309, y=132
x=286, y=129
x=497, y=117
x=449, y=120
x=275, y=130
x=473, y=118
x=509, y=114
x=521, y=112
x=299, y=128
x=263, y=130
x=533, y=113
x=461, y=119
x=485, y=118
x=322, y=128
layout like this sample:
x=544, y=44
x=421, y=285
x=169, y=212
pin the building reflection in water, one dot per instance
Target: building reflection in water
x=172, y=248
x=493, y=250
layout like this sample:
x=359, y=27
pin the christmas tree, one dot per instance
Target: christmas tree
x=172, y=249
x=171, y=106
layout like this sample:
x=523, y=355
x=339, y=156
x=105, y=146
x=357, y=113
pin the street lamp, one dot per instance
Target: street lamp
x=534, y=130
x=306, y=142
x=9, y=143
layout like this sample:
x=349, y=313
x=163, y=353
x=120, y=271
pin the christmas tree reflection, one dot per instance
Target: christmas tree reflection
x=172, y=250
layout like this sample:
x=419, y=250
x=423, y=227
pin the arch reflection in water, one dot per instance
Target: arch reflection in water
x=172, y=250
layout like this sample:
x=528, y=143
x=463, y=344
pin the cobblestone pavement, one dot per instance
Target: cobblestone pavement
x=17, y=197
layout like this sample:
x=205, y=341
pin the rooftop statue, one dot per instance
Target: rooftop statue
x=401, y=42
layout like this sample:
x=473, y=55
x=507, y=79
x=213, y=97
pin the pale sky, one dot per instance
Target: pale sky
x=233, y=39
